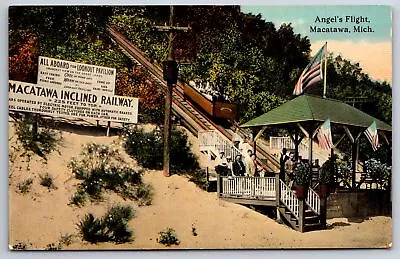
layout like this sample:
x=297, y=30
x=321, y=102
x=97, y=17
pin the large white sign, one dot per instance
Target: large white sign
x=76, y=76
x=61, y=102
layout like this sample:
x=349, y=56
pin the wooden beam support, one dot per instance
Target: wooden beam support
x=303, y=130
x=382, y=134
x=349, y=134
x=260, y=133
x=315, y=131
x=340, y=140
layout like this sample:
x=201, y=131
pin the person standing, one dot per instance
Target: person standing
x=236, y=139
x=238, y=167
x=222, y=165
x=249, y=164
x=282, y=164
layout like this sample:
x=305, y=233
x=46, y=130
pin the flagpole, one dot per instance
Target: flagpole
x=326, y=52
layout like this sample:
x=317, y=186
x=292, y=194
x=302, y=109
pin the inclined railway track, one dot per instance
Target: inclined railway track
x=194, y=119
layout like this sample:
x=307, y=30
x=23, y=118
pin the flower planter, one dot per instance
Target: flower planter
x=301, y=192
x=323, y=190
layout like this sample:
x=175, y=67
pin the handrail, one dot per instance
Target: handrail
x=313, y=201
x=210, y=139
x=289, y=199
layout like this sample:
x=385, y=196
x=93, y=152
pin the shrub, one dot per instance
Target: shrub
x=344, y=169
x=302, y=173
x=25, y=186
x=66, y=239
x=78, y=198
x=144, y=194
x=21, y=246
x=42, y=144
x=379, y=172
x=53, y=247
x=101, y=168
x=147, y=149
x=168, y=237
x=47, y=180
x=198, y=177
x=112, y=227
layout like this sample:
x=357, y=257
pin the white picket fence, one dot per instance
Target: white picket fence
x=211, y=140
x=289, y=199
x=313, y=200
x=249, y=187
x=279, y=143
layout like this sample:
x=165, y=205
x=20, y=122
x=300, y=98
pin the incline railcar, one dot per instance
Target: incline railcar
x=212, y=106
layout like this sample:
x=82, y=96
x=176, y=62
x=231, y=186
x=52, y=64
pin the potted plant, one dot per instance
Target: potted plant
x=302, y=178
x=325, y=178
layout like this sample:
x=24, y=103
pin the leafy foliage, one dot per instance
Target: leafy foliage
x=47, y=180
x=379, y=172
x=147, y=149
x=327, y=172
x=22, y=246
x=25, y=186
x=168, y=237
x=135, y=82
x=302, y=173
x=248, y=60
x=347, y=80
x=102, y=168
x=41, y=144
x=112, y=227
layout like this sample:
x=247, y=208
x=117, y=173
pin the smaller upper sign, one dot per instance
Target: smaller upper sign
x=76, y=76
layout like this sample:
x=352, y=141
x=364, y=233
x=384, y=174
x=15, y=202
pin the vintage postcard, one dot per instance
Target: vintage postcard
x=199, y=127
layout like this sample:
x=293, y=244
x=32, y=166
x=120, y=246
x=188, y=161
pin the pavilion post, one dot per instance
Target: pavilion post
x=277, y=195
x=296, y=141
x=310, y=144
x=354, y=157
x=334, y=176
x=254, y=135
x=301, y=215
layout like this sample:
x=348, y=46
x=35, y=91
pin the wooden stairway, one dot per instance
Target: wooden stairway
x=312, y=221
x=301, y=215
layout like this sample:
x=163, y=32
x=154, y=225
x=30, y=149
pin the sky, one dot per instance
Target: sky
x=370, y=44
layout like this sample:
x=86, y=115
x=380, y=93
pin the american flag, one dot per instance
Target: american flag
x=312, y=74
x=325, y=136
x=372, y=134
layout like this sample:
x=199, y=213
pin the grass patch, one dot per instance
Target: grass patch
x=42, y=143
x=47, y=181
x=147, y=149
x=102, y=168
x=25, y=186
x=21, y=246
x=168, y=237
x=65, y=240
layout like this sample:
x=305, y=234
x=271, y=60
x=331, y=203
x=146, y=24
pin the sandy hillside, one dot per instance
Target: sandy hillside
x=40, y=217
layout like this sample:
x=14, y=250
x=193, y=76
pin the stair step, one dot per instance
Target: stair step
x=312, y=217
x=313, y=226
x=312, y=220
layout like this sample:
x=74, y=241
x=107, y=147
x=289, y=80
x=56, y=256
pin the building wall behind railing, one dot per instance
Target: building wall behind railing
x=361, y=203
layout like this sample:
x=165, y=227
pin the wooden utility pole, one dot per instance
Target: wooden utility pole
x=170, y=71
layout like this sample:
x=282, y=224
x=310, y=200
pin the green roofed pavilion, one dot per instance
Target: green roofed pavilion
x=311, y=108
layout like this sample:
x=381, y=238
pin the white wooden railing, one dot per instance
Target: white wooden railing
x=248, y=187
x=286, y=142
x=313, y=201
x=211, y=140
x=289, y=199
